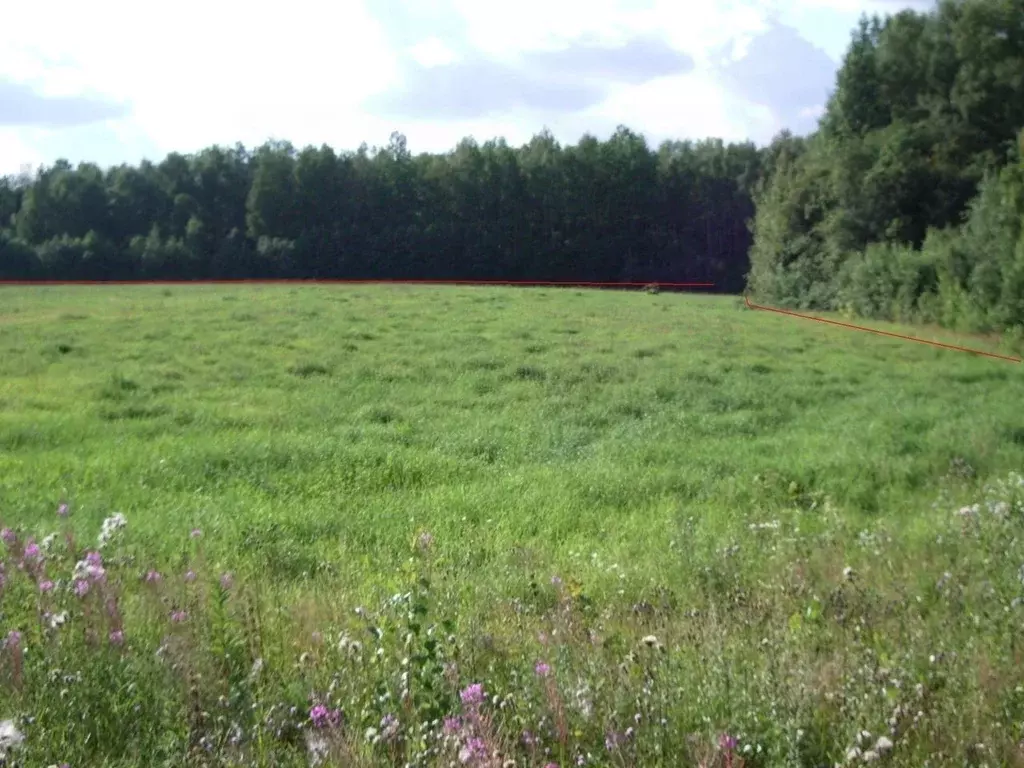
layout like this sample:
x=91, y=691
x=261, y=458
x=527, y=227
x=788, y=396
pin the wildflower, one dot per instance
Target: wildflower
x=542, y=669
x=389, y=726
x=556, y=581
x=13, y=639
x=8, y=536
x=45, y=586
x=117, y=637
x=63, y=510
x=10, y=736
x=883, y=745
x=91, y=568
x=727, y=742
x=529, y=739
x=316, y=747
x=56, y=621
x=48, y=542
x=322, y=717
x=849, y=574
x=651, y=641
x=111, y=526
x=551, y=765
x=196, y=533
x=473, y=750
x=153, y=577
x=452, y=725
x=178, y=616
x=473, y=695
x=190, y=575
x=226, y=581
x=32, y=551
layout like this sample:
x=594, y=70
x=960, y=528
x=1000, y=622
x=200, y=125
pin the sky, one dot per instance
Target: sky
x=115, y=81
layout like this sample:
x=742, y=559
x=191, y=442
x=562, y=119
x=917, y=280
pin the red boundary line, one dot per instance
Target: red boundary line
x=567, y=283
x=883, y=333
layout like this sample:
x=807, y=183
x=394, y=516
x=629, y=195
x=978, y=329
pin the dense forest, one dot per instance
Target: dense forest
x=906, y=203
x=600, y=210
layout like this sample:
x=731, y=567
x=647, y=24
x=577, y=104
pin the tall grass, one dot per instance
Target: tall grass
x=756, y=543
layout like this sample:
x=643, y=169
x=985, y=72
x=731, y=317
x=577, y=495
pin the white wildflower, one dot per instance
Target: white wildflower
x=883, y=745
x=852, y=753
x=10, y=737
x=47, y=543
x=316, y=747
x=849, y=574
x=110, y=528
x=651, y=641
x=870, y=756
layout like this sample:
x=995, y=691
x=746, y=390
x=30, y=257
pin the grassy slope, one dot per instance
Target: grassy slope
x=622, y=440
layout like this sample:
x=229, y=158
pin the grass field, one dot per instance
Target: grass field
x=658, y=529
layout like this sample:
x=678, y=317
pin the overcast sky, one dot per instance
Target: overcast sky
x=118, y=80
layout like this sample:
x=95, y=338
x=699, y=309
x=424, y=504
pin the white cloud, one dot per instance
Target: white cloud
x=197, y=72
x=432, y=52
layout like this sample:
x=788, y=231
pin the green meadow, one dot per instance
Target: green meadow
x=659, y=529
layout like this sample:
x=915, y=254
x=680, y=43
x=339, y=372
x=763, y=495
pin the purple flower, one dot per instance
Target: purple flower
x=95, y=559
x=727, y=742
x=322, y=717
x=13, y=639
x=32, y=551
x=473, y=695
x=452, y=725
x=117, y=637
x=551, y=765
x=226, y=581
x=8, y=536
x=45, y=586
x=196, y=533
x=190, y=575
x=542, y=669
x=556, y=581
x=473, y=750
x=63, y=510
x=178, y=616
x=153, y=577
x=529, y=739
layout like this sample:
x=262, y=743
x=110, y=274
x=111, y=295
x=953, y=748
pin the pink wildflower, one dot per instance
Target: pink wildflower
x=117, y=637
x=63, y=510
x=178, y=616
x=81, y=588
x=45, y=586
x=323, y=717
x=542, y=669
x=226, y=581
x=153, y=577
x=473, y=695
x=190, y=576
x=8, y=536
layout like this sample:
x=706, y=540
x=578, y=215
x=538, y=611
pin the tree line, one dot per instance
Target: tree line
x=613, y=210
x=907, y=203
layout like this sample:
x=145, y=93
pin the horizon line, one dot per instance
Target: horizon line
x=366, y=281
